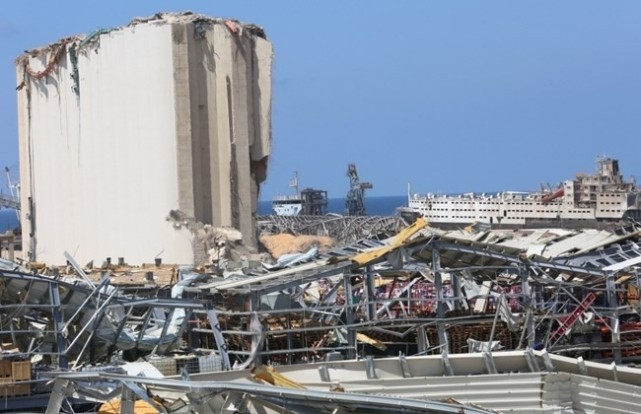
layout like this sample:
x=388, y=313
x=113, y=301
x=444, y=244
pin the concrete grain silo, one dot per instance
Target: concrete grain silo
x=121, y=127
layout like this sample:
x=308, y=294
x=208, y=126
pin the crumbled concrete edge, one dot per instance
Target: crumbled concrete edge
x=92, y=39
x=210, y=244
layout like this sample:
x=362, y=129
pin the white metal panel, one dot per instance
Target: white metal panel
x=592, y=395
x=514, y=389
x=572, y=243
x=623, y=265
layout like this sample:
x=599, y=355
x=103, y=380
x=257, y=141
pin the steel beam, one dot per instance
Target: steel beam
x=349, y=316
x=440, y=307
x=61, y=346
x=218, y=337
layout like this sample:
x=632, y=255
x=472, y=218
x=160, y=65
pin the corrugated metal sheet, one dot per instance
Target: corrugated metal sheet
x=572, y=385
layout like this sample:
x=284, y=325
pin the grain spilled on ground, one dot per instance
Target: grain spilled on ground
x=279, y=244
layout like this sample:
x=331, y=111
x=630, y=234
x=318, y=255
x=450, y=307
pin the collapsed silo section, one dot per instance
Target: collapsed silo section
x=121, y=127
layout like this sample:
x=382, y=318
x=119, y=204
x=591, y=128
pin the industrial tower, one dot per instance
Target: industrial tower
x=355, y=200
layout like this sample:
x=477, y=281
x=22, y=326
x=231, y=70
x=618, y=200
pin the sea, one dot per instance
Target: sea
x=374, y=206
x=8, y=219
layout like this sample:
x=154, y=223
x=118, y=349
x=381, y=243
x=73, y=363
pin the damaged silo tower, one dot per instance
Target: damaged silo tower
x=122, y=126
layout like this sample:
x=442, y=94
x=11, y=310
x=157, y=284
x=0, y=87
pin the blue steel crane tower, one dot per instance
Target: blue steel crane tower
x=355, y=200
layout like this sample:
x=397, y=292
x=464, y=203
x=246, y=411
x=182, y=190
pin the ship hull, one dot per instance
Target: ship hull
x=586, y=201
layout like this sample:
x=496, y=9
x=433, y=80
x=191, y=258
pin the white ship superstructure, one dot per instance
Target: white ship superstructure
x=604, y=196
x=307, y=202
x=287, y=205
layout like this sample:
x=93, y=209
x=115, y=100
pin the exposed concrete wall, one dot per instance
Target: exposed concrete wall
x=172, y=113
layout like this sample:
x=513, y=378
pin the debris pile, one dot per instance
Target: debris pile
x=423, y=292
x=210, y=244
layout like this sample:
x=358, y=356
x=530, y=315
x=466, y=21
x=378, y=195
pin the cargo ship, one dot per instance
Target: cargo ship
x=584, y=200
x=308, y=202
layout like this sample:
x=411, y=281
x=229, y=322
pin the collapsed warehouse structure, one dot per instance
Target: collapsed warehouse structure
x=420, y=320
x=123, y=126
x=424, y=293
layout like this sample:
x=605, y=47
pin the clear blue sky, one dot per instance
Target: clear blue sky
x=450, y=96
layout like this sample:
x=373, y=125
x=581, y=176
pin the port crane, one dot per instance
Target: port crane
x=10, y=200
x=355, y=200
